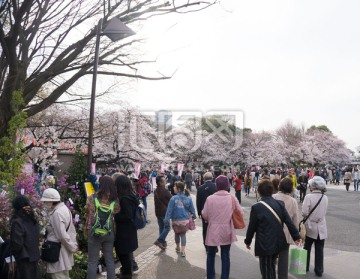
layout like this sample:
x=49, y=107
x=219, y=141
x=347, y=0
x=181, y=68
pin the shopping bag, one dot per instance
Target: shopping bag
x=297, y=261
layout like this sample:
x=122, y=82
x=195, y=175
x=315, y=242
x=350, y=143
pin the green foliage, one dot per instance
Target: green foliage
x=77, y=170
x=12, y=157
x=320, y=127
x=80, y=266
x=77, y=176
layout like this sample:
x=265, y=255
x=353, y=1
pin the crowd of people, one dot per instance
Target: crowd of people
x=121, y=193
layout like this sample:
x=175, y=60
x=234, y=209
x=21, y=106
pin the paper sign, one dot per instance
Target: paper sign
x=93, y=168
x=163, y=168
x=153, y=183
x=89, y=189
x=77, y=218
x=71, y=201
x=22, y=191
x=180, y=169
x=137, y=170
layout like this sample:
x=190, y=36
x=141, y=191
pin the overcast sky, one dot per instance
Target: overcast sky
x=274, y=60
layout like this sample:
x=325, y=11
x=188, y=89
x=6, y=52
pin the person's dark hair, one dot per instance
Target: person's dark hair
x=275, y=182
x=107, y=188
x=18, y=209
x=317, y=173
x=265, y=188
x=266, y=171
x=123, y=186
x=158, y=179
x=181, y=187
x=217, y=171
x=142, y=174
x=176, y=172
x=286, y=186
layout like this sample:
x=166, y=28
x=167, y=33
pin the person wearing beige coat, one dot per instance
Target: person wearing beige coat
x=316, y=229
x=60, y=228
x=284, y=194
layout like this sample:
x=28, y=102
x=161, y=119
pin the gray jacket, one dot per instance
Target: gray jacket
x=316, y=224
x=59, y=219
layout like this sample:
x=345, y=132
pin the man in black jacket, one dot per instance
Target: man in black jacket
x=205, y=190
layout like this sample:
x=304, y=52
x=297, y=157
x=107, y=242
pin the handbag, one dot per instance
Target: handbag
x=191, y=223
x=302, y=228
x=237, y=217
x=50, y=250
x=191, y=220
x=297, y=261
x=180, y=227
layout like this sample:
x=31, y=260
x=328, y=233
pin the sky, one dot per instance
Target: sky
x=275, y=61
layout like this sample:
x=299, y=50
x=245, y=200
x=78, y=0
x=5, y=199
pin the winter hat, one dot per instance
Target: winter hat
x=222, y=183
x=20, y=201
x=51, y=195
x=318, y=182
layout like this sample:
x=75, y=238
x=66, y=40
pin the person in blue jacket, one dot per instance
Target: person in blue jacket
x=179, y=209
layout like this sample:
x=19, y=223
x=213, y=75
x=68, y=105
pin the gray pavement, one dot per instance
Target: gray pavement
x=154, y=263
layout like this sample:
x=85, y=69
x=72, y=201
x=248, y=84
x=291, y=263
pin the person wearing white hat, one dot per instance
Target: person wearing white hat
x=316, y=229
x=60, y=229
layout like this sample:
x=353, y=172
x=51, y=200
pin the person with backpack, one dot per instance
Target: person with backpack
x=161, y=201
x=188, y=180
x=203, y=192
x=248, y=183
x=24, y=238
x=179, y=210
x=126, y=240
x=60, y=228
x=175, y=178
x=99, y=226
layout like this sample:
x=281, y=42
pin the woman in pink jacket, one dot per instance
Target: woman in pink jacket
x=217, y=212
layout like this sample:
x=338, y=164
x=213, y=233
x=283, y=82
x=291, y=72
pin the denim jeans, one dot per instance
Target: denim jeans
x=225, y=262
x=164, y=229
x=356, y=185
x=143, y=199
x=106, y=244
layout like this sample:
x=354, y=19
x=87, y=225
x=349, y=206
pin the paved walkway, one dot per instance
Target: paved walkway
x=168, y=264
x=154, y=263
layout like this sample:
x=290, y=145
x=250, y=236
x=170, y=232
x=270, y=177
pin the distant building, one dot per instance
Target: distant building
x=163, y=120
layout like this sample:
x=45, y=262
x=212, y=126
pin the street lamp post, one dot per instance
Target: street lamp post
x=115, y=30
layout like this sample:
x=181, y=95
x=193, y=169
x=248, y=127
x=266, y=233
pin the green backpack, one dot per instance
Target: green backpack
x=103, y=218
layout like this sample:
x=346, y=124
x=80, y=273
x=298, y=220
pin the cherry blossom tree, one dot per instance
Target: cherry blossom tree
x=48, y=46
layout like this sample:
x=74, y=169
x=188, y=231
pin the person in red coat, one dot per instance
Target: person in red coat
x=141, y=190
x=238, y=184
